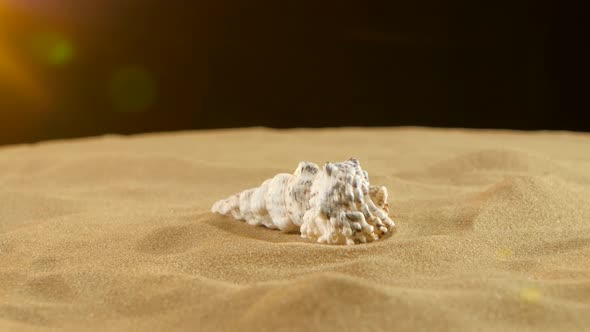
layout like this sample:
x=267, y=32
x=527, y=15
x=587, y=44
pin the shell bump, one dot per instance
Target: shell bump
x=334, y=204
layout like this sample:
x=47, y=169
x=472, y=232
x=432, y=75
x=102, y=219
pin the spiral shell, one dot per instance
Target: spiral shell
x=334, y=204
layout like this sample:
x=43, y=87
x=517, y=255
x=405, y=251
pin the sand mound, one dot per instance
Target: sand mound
x=528, y=201
x=114, y=233
x=494, y=159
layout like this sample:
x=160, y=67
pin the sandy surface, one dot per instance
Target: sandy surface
x=114, y=233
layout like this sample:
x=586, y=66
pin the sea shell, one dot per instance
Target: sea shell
x=334, y=204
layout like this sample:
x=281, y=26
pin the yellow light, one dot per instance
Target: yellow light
x=531, y=294
x=505, y=253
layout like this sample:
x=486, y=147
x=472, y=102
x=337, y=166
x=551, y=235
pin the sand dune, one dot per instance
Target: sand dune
x=114, y=233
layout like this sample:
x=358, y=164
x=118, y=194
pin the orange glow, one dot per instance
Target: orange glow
x=15, y=76
x=14, y=73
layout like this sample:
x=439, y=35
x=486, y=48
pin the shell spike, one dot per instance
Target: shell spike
x=354, y=161
x=329, y=168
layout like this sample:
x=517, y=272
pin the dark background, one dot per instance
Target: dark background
x=212, y=64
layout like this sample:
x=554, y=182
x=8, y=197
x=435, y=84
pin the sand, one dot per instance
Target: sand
x=114, y=234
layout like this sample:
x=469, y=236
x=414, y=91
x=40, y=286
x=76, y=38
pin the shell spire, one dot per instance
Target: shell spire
x=334, y=204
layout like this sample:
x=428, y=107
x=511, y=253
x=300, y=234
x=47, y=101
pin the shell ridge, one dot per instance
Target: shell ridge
x=334, y=204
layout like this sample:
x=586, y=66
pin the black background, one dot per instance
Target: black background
x=495, y=64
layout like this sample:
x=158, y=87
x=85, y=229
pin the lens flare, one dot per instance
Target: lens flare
x=531, y=294
x=505, y=253
x=52, y=49
x=132, y=89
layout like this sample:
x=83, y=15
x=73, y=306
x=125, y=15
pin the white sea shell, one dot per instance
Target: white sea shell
x=334, y=204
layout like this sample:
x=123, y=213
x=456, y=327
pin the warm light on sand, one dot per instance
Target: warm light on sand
x=505, y=253
x=531, y=294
